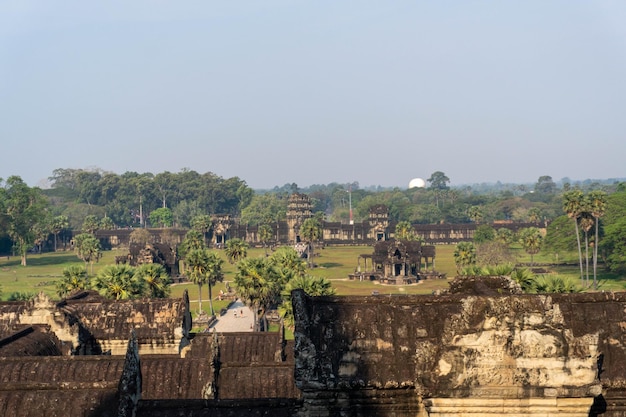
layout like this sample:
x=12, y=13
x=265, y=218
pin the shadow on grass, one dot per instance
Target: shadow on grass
x=329, y=265
x=42, y=260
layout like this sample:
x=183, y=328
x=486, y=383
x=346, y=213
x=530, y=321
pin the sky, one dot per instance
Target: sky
x=314, y=92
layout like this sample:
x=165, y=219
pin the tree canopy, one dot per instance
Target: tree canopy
x=22, y=213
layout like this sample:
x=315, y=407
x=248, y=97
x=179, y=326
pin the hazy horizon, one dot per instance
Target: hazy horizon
x=279, y=91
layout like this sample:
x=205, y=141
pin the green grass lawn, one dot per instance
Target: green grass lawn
x=334, y=263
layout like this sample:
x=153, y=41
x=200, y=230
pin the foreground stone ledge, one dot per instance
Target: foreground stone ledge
x=547, y=407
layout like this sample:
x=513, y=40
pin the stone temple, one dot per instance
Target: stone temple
x=479, y=352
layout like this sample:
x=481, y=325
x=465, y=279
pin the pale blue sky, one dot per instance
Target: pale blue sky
x=313, y=92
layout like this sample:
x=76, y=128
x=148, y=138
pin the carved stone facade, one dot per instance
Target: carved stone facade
x=453, y=355
x=221, y=228
x=377, y=227
x=51, y=363
x=299, y=209
x=396, y=262
x=460, y=355
x=379, y=223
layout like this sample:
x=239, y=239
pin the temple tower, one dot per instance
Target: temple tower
x=379, y=222
x=298, y=210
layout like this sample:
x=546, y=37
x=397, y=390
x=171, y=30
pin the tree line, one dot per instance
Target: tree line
x=87, y=200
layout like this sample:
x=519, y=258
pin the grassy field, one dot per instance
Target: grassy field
x=334, y=263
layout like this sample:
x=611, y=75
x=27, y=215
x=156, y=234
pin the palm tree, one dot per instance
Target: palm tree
x=265, y=235
x=549, y=284
x=118, y=282
x=524, y=277
x=475, y=214
x=236, y=250
x=156, y=279
x=258, y=285
x=534, y=215
x=504, y=236
x=87, y=248
x=197, y=267
x=106, y=223
x=404, y=231
x=315, y=286
x=214, y=275
x=74, y=278
x=531, y=240
x=572, y=205
x=91, y=224
x=58, y=224
x=598, y=201
x=464, y=255
x=202, y=223
x=586, y=223
x=194, y=240
x=310, y=231
x=40, y=231
x=288, y=262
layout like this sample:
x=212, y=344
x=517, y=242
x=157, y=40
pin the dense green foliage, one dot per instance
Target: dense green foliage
x=23, y=214
x=258, y=284
x=128, y=199
x=584, y=217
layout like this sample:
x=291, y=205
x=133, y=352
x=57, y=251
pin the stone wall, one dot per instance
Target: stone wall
x=333, y=233
x=460, y=355
x=441, y=356
x=93, y=325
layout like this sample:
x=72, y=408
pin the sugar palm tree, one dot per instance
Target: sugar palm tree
x=404, y=231
x=288, y=262
x=91, y=224
x=214, y=275
x=258, y=285
x=118, y=282
x=193, y=240
x=197, y=269
x=74, y=278
x=464, y=255
x=534, y=215
x=504, y=236
x=597, y=202
x=315, y=286
x=202, y=223
x=156, y=279
x=57, y=225
x=106, y=223
x=310, y=231
x=531, y=240
x=586, y=223
x=572, y=205
x=87, y=248
x=236, y=250
x=265, y=235
x=475, y=214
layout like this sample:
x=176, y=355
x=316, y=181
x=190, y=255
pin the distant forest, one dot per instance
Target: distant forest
x=129, y=199
x=86, y=200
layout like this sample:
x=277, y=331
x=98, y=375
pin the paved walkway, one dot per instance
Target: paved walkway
x=233, y=320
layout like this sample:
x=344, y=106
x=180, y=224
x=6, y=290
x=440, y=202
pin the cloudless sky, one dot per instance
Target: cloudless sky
x=314, y=92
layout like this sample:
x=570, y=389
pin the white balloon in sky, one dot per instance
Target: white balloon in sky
x=417, y=183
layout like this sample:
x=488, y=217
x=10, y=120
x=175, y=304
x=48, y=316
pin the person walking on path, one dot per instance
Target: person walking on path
x=238, y=318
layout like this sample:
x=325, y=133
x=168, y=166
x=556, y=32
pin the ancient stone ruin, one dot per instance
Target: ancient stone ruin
x=460, y=355
x=397, y=262
x=477, y=350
